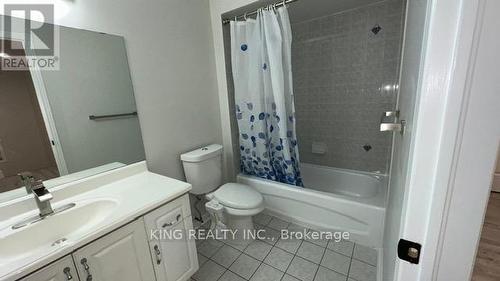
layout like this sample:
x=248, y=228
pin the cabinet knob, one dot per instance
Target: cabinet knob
x=86, y=267
x=67, y=272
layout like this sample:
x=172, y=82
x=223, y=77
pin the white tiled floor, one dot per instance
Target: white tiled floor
x=274, y=259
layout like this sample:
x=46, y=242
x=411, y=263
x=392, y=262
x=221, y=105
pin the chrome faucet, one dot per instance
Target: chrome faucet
x=396, y=125
x=42, y=198
x=28, y=179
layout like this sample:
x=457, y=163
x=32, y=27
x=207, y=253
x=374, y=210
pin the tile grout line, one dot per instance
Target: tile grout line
x=294, y=255
x=350, y=258
x=272, y=247
x=210, y=259
x=255, y=270
x=350, y=262
x=226, y=268
x=319, y=265
x=241, y=253
x=289, y=263
x=261, y=262
x=364, y=262
x=322, y=255
x=358, y=260
x=324, y=252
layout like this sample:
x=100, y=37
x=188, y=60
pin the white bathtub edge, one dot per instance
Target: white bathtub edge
x=363, y=221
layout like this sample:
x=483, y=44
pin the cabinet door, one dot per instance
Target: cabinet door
x=122, y=255
x=61, y=270
x=174, y=257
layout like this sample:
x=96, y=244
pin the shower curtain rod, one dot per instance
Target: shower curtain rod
x=275, y=5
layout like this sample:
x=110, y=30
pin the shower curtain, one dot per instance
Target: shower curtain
x=262, y=74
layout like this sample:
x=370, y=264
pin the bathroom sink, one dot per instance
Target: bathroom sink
x=48, y=234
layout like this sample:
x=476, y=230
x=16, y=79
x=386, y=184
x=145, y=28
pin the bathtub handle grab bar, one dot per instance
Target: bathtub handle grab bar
x=395, y=126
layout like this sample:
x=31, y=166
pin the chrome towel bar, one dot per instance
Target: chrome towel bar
x=100, y=117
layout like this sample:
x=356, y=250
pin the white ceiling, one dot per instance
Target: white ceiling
x=303, y=10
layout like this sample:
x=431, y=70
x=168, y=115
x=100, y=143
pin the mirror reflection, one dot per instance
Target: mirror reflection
x=61, y=125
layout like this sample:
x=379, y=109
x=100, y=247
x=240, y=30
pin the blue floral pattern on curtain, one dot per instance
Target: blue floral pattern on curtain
x=263, y=152
x=265, y=111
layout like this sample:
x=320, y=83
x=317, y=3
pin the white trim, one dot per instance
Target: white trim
x=454, y=125
x=439, y=150
x=49, y=120
x=476, y=143
x=43, y=101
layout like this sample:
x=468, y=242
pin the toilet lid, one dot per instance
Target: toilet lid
x=238, y=196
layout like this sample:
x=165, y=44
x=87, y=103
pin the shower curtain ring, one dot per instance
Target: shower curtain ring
x=284, y=3
x=245, y=15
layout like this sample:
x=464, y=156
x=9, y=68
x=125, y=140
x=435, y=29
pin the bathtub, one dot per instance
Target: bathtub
x=332, y=199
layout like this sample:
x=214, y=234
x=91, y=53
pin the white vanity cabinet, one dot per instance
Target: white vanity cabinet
x=174, y=253
x=122, y=255
x=61, y=270
x=141, y=250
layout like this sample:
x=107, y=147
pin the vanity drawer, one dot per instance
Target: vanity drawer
x=170, y=219
x=169, y=214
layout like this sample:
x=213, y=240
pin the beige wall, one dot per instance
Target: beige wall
x=22, y=131
x=217, y=8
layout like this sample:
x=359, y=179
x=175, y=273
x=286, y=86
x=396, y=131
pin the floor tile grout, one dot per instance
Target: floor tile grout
x=322, y=255
x=363, y=262
x=349, y=269
x=228, y=268
x=321, y=260
x=289, y=265
x=351, y=258
x=260, y=262
x=295, y=254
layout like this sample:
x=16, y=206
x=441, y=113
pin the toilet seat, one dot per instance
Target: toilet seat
x=238, y=196
x=244, y=212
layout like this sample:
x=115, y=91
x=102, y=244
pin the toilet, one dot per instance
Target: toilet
x=238, y=202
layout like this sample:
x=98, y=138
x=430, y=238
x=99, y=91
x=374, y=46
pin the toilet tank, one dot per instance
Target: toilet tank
x=203, y=168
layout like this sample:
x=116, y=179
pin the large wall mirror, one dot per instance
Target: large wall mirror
x=65, y=124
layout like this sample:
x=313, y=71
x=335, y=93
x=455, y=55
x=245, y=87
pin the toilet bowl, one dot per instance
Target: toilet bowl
x=240, y=203
x=203, y=169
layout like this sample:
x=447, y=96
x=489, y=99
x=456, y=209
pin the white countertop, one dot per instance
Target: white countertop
x=136, y=191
